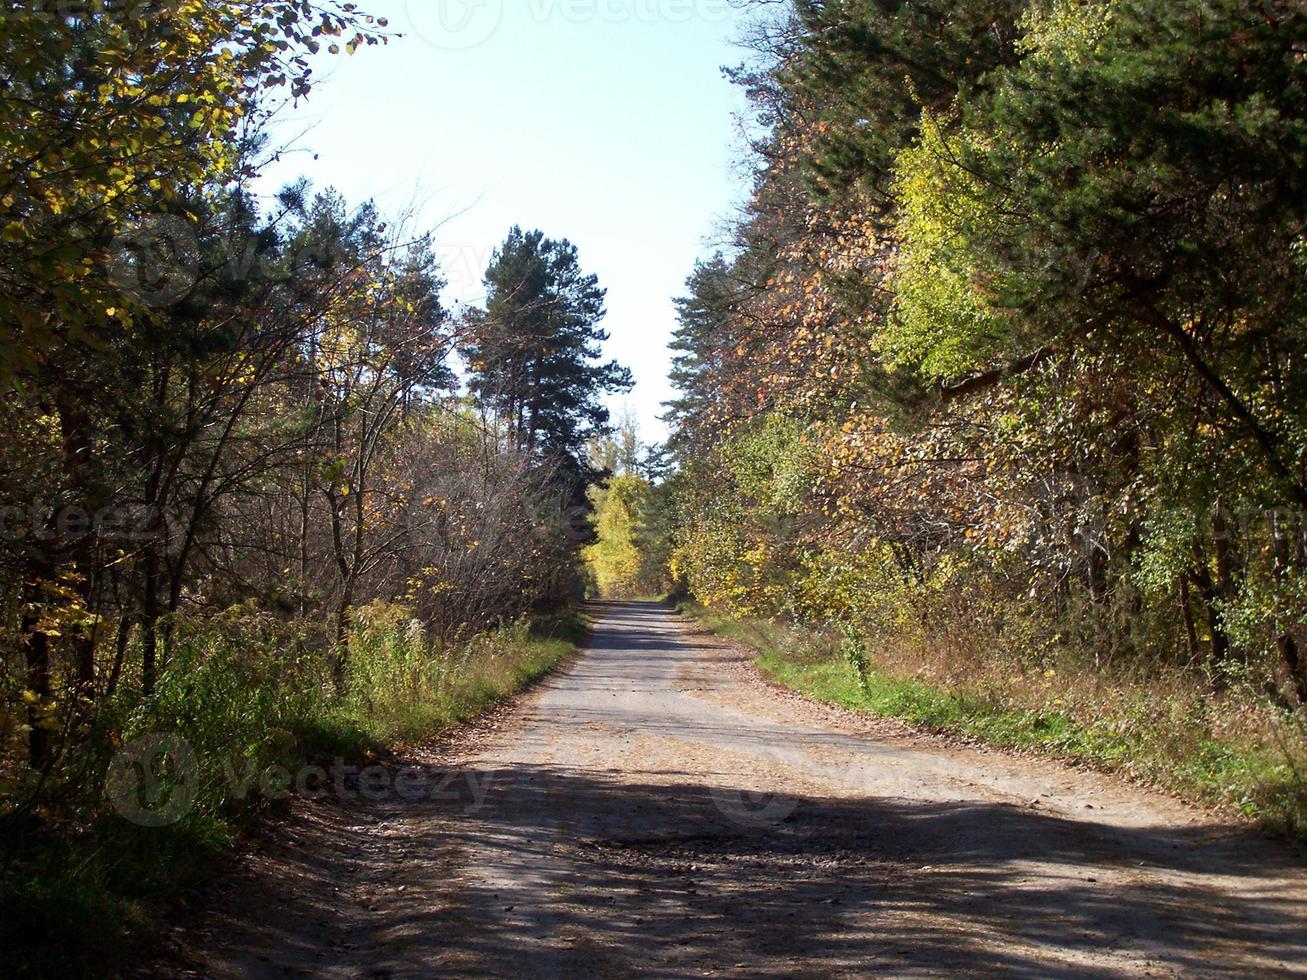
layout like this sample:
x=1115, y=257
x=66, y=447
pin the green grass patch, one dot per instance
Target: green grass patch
x=938, y=710
x=1181, y=746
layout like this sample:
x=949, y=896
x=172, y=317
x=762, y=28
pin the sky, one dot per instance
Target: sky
x=606, y=122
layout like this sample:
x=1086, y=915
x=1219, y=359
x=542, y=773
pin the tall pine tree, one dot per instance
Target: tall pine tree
x=713, y=293
x=534, y=350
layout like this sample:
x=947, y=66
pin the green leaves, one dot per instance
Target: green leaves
x=1081, y=226
x=944, y=326
x=110, y=116
x=535, y=349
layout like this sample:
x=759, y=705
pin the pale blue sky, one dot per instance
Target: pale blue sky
x=603, y=121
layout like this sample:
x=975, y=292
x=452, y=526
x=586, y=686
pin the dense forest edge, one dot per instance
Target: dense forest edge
x=269, y=508
x=992, y=402
x=991, y=416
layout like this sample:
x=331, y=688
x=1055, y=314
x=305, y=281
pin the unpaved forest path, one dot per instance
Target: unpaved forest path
x=620, y=834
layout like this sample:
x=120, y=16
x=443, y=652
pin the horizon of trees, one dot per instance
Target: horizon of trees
x=1011, y=335
x=213, y=403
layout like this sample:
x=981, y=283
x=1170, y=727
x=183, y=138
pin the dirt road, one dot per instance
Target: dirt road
x=658, y=810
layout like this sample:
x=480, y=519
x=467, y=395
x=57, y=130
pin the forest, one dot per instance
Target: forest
x=991, y=415
x=259, y=487
x=995, y=390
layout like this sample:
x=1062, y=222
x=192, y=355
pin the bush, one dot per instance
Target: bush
x=248, y=692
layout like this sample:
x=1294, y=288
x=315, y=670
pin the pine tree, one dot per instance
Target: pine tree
x=704, y=313
x=534, y=351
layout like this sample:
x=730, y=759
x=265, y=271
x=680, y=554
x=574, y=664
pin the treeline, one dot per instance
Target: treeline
x=235, y=438
x=1008, y=359
x=630, y=555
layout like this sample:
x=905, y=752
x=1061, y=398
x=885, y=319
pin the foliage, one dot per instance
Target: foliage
x=112, y=111
x=533, y=349
x=615, y=557
x=253, y=695
x=1008, y=346
x=236, y=440
x=631, y=550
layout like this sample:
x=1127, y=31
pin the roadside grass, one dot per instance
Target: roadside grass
x=401, y=693
x=82, y=889
x=1160, y=730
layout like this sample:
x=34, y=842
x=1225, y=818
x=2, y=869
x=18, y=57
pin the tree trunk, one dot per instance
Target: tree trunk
x=36, y=645
x=78, y=546
x=342, y=636
x=150, y=621
x=1187, y=614
x=1220, y=643
x=1285, y=641
x=1223, y=551
x=119, y=654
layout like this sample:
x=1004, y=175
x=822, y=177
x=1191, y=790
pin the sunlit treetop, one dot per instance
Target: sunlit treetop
x=110, y=111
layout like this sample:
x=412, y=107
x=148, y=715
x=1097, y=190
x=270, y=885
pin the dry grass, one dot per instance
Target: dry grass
x=1161, y=726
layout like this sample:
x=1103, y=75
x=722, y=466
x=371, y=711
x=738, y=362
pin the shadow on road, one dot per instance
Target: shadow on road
x=655, y=878
x=649, y=865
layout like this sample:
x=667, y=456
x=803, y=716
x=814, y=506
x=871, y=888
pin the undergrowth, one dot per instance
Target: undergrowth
x=1159, y=728
x=81, y=887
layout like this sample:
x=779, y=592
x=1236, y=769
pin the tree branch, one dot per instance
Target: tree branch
x=987, y=379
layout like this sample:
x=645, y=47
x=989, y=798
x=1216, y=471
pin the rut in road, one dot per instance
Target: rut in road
x=657, y=810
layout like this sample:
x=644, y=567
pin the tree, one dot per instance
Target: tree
x=534, y=351
x=1026, y=280
x=865, y=69
x=699, y=343
x=615, y=557
x=1155, y=233
x=382, y=345
x=113, y=113
x=620, y=452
